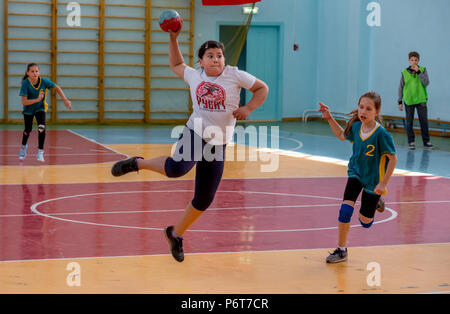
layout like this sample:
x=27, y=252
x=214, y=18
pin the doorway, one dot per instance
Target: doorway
x=260, y=57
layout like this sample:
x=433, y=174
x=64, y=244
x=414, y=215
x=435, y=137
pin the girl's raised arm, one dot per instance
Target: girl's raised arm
x=176, y=59
x=335, y=127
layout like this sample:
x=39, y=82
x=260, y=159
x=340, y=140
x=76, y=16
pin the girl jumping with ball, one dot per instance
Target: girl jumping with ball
x=370, y=167
x=215, y=92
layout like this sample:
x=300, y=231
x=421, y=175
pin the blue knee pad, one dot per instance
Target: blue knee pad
x=345, y=213
x=366, y=225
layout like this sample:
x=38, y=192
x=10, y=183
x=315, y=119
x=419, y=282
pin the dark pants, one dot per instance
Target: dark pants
x=423, y=119
x=209, y=170
x=369, y=201
x=28, y=121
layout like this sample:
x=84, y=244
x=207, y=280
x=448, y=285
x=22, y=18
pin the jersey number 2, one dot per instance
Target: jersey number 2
x=371, y=149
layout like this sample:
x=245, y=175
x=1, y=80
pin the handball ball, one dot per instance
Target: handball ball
x=170, y=20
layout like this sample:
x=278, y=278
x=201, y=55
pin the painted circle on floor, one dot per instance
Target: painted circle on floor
x=57, y=216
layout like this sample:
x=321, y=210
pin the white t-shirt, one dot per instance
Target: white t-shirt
x=213, y=101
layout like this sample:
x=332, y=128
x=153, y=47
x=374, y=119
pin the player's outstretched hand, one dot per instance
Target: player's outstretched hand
x=325, y=111
x=68, y=104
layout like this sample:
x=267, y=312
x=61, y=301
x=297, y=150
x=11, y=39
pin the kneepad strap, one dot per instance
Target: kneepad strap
x=345, y=213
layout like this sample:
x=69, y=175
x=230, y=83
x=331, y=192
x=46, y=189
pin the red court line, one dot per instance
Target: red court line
x=61, y=148
x=274, y=207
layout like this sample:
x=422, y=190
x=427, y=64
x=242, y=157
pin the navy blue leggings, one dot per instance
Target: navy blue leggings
x=192, y=150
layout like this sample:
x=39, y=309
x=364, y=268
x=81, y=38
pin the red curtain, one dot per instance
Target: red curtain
x=227, y=2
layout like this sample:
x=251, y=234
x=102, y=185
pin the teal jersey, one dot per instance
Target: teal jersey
x=31, y=92
x=369, y=161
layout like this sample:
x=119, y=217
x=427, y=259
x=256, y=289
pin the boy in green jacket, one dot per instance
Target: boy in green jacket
x=413, y=93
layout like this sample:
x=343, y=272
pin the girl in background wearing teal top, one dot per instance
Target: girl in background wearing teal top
x=34, y=100
x=370, y=167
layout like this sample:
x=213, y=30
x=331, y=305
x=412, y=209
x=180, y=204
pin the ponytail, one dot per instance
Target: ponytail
x=353, y=118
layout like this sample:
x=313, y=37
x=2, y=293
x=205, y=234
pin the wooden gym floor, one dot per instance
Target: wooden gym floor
x=68, y=226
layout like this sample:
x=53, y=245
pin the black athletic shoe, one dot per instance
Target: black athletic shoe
x=124, y=166
x=337, y=256
x=381, y=205
x=176, y=244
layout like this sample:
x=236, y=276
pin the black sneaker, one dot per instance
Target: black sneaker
x=337, y=256
x=176, y=244
x=381, y=205
x=428, y=146
x=124, y=166
x=412, y=146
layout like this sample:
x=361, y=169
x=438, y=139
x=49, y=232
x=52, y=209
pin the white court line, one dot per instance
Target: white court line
x=48, y=147
x=209, y=209
x=169, y=210
x=250, y=132
x=34, y=209
x=109, y=152
x=93, y=141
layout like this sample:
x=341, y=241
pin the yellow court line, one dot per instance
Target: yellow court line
x=420, y=268
x=289, y=166
x=285, y=164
